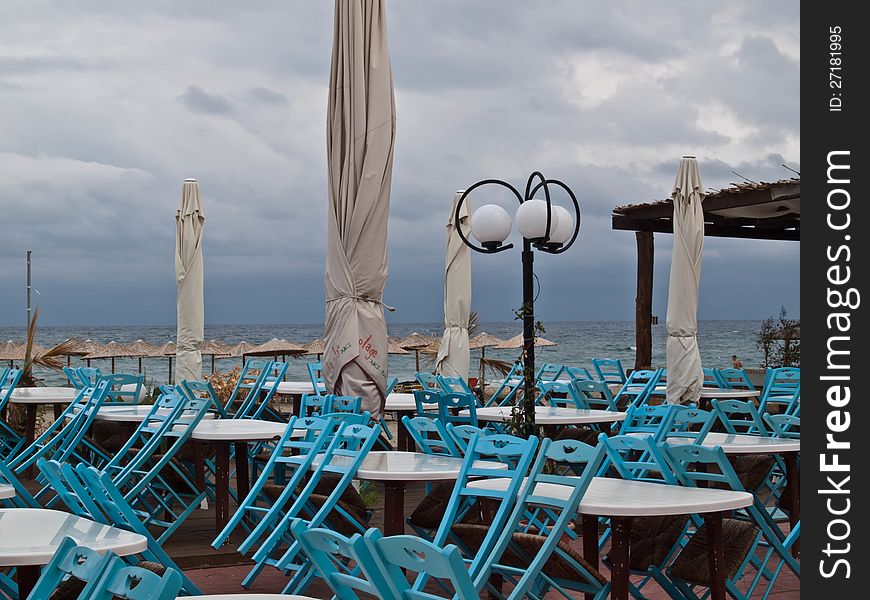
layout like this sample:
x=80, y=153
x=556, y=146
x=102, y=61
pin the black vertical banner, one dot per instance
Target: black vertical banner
x=835, y=452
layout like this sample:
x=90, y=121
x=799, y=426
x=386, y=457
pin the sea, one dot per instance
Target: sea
x=578, y=342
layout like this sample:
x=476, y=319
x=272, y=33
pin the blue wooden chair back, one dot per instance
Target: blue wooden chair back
x=735, y=379
x=690, y=423
x=712, y=378
x=652, y=420
x=509, y=388
x=10, y=441
x=454, y=385
x=609, y=370
x=637, y=458
x=126, y=582
x=517, y=455
x=197, y=389
x=453, y=406
x=430, y=435
x=422, y=398
x=257, y=401
x=594, y=394
x=738, y=416
x=557, y=393
x=291, y=458
x=398, y=554
x=549, y=372
x=638, y=388
x=89, y=376
x=462, y=435
x=124, y=388
x=23, y=497
x=392, y=382
x=781, y=386
x=577, y=373
x=73, y=376
x=784, y=426
x=313, y=404
x=343, y=404
x=315, y=374
x=345, y=564
x=70, y=560
x=251, y=378
x=428, y=381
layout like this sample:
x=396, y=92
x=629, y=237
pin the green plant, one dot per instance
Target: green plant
x=522, y=424
x=779, y=341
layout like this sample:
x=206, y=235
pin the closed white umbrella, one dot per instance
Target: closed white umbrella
x=685, y=375
x=453, y=354
x=189, y=221
x=361, y=124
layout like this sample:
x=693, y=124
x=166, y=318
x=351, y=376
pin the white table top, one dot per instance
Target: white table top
x=620, y=498
x=135, y=414
x=744, y=444
x=254, y=597
x=397, y=401
x=30, y=536
x=238, y=430
x=295, y=388
x=43, y=395
x=6, y=491
x=410, y=466
x=717, y=393
x=552, y=415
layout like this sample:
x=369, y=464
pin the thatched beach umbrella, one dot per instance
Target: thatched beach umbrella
x=276, y=348
x=189, y=222
x=112, y=350
x=393, y=347
x=483, y=341
x=14, y=351
x=88, y=346
x=214, y=348
x=416, y=342
x=685, y=375
x=168, y=350
x=516, y=342
x=241, y=349
x=453, y=353
x=315, y=347
x=139, y=349
x=361, y=126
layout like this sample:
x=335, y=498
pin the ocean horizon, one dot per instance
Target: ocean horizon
x=577, y=343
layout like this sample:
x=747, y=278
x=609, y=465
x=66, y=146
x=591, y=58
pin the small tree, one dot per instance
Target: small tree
x=779, y=341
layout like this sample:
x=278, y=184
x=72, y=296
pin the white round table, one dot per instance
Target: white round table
x=623, y=500
x=254, y=597
x=221, y=433
x=552, y=415
x=6, y=491
x=403, y=404
x=715, y=393
x=29, y=538
x=295, y=388
x=34, y=397
x=396, y=469
x=135, y=414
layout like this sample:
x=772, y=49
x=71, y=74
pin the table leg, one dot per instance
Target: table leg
x=297, y=404
x=58, y=411
x=221, y=484
x=243, y=485
x=792, y=483
x=716, y=555
x=394, y=508
x=404, y=440
x=198, y=464
x=590, y=543
x=30, y=431
x=619, y=557
x=28, y=575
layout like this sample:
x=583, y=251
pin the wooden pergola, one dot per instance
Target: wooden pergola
x=758, y=211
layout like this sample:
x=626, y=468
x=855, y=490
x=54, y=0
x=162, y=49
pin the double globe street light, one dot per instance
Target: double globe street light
x=545, y=227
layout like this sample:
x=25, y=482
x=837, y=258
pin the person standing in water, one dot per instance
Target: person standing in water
x=735, y=362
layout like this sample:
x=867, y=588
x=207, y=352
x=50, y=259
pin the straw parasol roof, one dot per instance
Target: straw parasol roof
x=215, y=348
x=241, y=348
x=315, y=346
x=111, y=350
x=141, y=348
x=517, y=342
x=167, y=349
x=416, y=341
x=275, y=347
x=395, y=348
x=484, y=340
x=15, y=351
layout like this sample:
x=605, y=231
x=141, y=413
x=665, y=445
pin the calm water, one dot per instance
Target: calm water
x=578, y=342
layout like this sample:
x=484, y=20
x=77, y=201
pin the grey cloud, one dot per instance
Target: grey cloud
x=268, y=96
x=198, y=100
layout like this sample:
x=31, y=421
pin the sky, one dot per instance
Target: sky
x=106, y=107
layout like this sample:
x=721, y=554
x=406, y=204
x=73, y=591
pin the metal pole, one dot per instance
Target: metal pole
x=29, y=287
x=528, y=312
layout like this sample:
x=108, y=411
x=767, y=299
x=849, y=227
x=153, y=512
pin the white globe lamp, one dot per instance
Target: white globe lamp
x=531, y=219
x=490, y=225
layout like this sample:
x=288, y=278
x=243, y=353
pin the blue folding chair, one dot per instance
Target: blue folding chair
x=577, y=373
x=247, y=390
x=462, y=435
x=344, y=404
x=509, y=388
x=424, y=397
x=638, y=388
x=89, y=376
x=738, y=416
x=73, y=376
x=784, y=426
x=22, y=497
x=549, y=372
x=315, y=374
x=609, y=370
x=428, y=382
x=454, y=385
x=123, y=388
x=654, y=421
x=345, y=564
x=70, y=564
x=125, y=582
x=560, y=394
x=10, y=441
x=782, y=387
x=430, y=435
x=594, y=394
x=735, y=379
x=689, y=423
x=453, y=406
x=260, y=395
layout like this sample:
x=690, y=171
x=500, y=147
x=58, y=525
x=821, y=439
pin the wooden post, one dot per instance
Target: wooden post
x=643, y=301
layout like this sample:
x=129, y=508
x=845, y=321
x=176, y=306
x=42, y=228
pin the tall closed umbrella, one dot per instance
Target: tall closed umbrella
x=685, y=375
x=453, y=354
x=189, y=221
x=361, y=124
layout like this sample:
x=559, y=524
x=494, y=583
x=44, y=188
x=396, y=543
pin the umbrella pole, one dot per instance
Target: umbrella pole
x=113, y=364
x=212, y=364
x=140, y=365
x=417, y=359
x=480, y=374
x=170, y=370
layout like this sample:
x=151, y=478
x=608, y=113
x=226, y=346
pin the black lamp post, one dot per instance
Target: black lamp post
x=545, y=227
